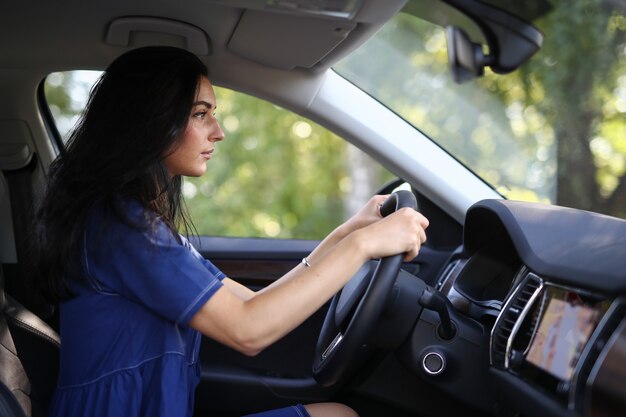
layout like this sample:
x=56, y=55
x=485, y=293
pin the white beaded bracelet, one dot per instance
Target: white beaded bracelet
x=305, y=261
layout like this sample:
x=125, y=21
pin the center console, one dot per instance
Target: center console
x=565, y=345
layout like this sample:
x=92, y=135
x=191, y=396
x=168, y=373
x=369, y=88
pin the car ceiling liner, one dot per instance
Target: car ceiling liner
x=488, y=33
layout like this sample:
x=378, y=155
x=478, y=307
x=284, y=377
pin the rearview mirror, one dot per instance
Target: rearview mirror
x=511, y=41
x=466, y=58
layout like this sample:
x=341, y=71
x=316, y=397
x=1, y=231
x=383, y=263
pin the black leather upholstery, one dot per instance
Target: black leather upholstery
x=9, y=406
x=29, y=355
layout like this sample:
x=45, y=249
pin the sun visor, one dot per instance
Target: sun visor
x=286, y=41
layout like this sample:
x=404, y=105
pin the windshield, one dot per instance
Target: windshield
x=553, y=130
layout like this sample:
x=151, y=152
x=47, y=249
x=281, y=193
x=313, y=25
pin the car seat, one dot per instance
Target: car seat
x=29, y=355
x=9, y=406
x=29, y=351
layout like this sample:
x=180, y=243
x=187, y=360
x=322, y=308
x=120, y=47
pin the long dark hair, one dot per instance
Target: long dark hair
x=135, y=114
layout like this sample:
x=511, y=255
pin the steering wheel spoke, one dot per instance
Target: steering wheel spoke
x=331, y=347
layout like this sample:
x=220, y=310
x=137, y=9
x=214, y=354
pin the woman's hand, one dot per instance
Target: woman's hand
x=401, y=232
x=368, y=214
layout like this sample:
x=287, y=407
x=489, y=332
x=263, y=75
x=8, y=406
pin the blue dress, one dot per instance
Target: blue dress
x=127, y=349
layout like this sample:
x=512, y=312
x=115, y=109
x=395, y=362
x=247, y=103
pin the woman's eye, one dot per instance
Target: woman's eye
x=201, y=114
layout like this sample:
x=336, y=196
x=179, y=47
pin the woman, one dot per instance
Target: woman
x=135, y=295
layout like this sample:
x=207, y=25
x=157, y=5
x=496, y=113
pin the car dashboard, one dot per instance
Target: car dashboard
x=539, y=296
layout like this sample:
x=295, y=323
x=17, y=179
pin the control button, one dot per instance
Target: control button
x=433, y=363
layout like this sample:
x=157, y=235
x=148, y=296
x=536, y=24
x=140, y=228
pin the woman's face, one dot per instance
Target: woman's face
x=195, y=147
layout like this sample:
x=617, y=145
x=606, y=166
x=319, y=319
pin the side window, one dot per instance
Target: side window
x=276, y=174
x=67, y=94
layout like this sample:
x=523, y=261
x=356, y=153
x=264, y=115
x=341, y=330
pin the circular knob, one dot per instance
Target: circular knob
x=433, y=363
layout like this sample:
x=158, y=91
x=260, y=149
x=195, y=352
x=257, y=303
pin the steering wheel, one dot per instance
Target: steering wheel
x=356, y=308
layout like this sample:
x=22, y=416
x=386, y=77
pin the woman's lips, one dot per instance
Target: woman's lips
x=207, y=154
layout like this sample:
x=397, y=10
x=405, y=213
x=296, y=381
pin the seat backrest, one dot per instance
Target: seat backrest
x=12, y=373
x=38, y=349
x=7, y=241
x=29, y=351
x=9, y=406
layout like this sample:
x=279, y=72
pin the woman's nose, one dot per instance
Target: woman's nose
x=218, y=134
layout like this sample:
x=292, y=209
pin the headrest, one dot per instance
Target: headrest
x=15, y=149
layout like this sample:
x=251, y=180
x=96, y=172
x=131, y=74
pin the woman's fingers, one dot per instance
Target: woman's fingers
x=423, y=221
x=414, y=225
x=368, y=214
x=400, y=232
x=378, y=201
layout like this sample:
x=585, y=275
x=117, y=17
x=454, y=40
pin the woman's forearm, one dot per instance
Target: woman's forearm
x=252, y=324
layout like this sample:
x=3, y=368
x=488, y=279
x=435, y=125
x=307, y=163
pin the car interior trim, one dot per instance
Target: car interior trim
x=124, y=31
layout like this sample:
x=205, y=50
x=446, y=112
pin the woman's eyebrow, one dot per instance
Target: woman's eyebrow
x=205, y=103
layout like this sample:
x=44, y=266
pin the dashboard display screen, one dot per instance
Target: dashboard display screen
x=565, y=326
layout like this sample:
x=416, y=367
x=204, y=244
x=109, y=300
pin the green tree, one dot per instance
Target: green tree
x=581, y=66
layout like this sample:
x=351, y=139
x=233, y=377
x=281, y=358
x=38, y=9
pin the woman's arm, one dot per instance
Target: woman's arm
x=249, y=322
x=369, y=214
x=250, y=325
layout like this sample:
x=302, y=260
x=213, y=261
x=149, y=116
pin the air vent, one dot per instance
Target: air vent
x=510, y=319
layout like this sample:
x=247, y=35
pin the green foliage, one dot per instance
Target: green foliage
x=274, y=175
x=580, y=68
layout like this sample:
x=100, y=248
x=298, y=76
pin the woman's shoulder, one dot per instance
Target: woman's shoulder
x=124, y=210
x=126, y=216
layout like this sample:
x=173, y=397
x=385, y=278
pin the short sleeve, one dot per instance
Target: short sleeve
x=208, y=264
x=148, y=266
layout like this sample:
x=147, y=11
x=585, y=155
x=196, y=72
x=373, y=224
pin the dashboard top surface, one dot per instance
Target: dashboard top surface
x=570, y=247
